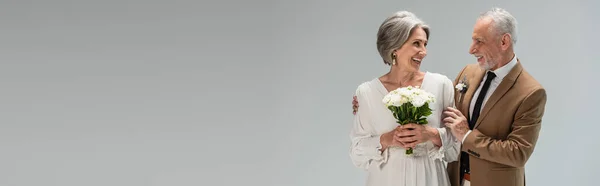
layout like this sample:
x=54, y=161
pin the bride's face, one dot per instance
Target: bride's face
x=412, y=52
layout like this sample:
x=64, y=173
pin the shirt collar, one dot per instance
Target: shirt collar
x=504, y=70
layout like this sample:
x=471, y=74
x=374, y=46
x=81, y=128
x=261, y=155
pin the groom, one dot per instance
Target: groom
x=503, y=105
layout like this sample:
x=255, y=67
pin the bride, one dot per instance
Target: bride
x=378, y=142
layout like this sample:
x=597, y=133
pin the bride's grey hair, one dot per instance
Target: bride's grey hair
x=394, y=32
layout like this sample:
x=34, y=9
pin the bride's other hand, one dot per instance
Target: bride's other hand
x=412, y=134
x=391, y=139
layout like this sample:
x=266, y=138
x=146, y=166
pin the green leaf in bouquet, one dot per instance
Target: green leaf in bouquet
x=393, y=110
x=401, y=112
x=415, y=115
x=408, y=111
x=425, y=110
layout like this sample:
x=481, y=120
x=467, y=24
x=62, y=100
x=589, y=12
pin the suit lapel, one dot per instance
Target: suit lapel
x=502, y=88
x=474, y=80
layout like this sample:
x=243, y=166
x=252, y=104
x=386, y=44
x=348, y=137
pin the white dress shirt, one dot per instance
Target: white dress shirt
x=500, y=74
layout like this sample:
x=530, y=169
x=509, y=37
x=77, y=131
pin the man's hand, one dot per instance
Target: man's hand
x=412, y=134
x=457, y=122
x=354, y=105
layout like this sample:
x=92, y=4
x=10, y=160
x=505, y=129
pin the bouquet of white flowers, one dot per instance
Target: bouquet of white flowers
x=409, y=105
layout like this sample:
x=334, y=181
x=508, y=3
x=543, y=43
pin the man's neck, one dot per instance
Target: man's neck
x=505, y=60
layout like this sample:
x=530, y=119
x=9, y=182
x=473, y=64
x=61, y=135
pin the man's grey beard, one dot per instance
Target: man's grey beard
x=487, y=65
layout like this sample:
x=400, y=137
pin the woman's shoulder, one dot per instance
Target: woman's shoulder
x=367, y=87
x=439, y=78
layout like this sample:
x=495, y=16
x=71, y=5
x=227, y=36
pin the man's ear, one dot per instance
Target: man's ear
x=505, y=42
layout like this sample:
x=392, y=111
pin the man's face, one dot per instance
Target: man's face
x=486, y=46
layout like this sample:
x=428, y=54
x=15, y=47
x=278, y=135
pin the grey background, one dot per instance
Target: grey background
x=160, y=92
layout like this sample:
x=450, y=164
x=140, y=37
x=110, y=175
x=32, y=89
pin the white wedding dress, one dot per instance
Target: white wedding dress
x=392, y=167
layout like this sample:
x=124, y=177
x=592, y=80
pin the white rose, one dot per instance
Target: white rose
x=460, y=86
x=397, y=100
x=386, y=99
x=429, y=97
x=401, y=92
x=418, y=101
x=404, y=99
x=412, y=90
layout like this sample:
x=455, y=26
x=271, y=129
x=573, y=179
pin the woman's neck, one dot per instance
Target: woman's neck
x=401, y=77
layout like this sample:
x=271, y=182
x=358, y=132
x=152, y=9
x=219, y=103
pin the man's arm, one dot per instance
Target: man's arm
x=457, y=97
x=518, y=147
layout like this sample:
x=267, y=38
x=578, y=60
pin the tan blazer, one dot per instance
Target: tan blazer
x=507, y=130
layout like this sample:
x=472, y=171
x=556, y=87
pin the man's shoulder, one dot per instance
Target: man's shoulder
x=467, y=71
x=527, y=82
x=472, y=67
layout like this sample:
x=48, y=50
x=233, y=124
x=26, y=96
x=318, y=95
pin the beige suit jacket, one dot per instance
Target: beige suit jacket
x=506, y=132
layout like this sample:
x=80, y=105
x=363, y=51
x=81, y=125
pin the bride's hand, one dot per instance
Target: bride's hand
x=412, y=134
x=391, y=139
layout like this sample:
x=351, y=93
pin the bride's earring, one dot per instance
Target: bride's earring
x=393, y=59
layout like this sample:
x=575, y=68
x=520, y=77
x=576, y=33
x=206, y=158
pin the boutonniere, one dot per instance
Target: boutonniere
x=462, y=87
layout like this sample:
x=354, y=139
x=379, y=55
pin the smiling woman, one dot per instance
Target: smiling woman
x=378, y=142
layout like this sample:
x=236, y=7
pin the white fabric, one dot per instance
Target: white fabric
x=500, y=74
x=427, y=167
x=466, y=183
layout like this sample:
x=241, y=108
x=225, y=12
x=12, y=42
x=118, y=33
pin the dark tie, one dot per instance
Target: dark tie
x=464, y=157
x=479, y=102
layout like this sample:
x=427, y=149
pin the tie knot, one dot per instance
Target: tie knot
x=491, y=75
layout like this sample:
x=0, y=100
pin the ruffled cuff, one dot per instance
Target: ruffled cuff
x=439, y=153
x=382, y=158
x=379, y=158
x=436, y=153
